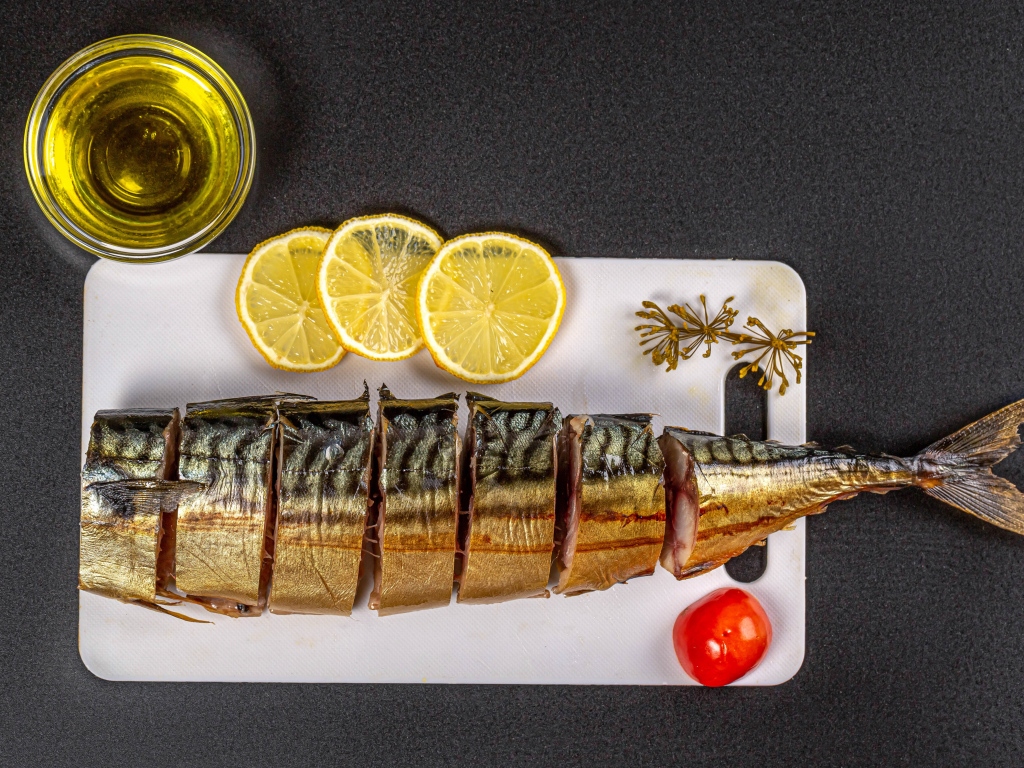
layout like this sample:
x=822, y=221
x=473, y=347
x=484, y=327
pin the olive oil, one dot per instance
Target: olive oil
x=141, y=151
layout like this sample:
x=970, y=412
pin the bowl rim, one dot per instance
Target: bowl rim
x=119, y=47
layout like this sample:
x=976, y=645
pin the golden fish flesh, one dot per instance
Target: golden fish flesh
x=511, y=469
x=727, y=493
x=324, y=466
x=124, y=519
x=615, y=516
x=418, y=510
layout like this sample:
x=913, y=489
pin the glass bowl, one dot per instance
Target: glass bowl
x=140, y=149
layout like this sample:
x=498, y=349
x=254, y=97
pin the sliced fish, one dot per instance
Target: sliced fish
x=614, y=515
x=727, y=493
x=323, y=493
x=511, y=466
x=224, y=533
x=125, y=518
x=418, y=507
x=607, y=479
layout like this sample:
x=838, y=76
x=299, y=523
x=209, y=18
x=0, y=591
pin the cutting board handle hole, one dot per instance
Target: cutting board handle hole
x=746, y=413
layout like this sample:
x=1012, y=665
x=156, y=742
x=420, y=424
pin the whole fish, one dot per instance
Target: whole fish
x=621, y=499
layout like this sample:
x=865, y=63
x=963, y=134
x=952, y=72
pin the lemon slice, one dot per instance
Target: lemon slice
x=367, y=282
x=489, y=306
x=277, y=304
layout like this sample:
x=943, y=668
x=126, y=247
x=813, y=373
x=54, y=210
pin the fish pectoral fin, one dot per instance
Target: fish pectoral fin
x=880, y=490
x=131, y=496
x=159, y=608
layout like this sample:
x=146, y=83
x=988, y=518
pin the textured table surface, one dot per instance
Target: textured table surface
x=875, y=149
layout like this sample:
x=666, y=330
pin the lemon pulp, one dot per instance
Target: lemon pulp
x=489, y=306
x=277, y=303
x=367, y=282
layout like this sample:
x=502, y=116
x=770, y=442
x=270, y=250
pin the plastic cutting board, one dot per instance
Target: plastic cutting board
x=166, y=334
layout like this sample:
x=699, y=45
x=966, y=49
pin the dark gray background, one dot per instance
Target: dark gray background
x=875, y=147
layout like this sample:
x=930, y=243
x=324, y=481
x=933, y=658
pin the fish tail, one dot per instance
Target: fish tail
x=957, y=469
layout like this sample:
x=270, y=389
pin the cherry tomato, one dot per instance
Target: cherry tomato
x=722, y=636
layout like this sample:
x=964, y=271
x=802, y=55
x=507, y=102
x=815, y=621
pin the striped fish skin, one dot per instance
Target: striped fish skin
x=747, y=489
x=123, y=521
x=615, y=520
x=418, y=509
x=512, y=468
x=222, y=535
x=323, y=493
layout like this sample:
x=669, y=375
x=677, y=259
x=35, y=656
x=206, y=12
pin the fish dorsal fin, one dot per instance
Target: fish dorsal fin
x=292, y=397
x=697, y=432
x=810, y=444
x=845, y=449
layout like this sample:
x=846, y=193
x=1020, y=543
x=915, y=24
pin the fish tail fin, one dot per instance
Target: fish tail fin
x=957, y=469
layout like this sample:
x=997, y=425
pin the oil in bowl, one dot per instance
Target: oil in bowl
x=140, y=149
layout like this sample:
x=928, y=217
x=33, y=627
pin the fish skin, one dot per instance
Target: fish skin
x=417, y=522
x=221, y=548
x=130, y=445
x=748, y=489
x=621, y=525
x=513, y=461
x=323, y=493
x=122, y=525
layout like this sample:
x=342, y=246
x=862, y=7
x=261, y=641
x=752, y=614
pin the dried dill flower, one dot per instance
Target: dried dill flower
x=663, y=332
x=678, y=341
x=704, y=331
x=777, y=349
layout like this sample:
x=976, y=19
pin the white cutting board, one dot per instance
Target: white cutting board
x=163, y=335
